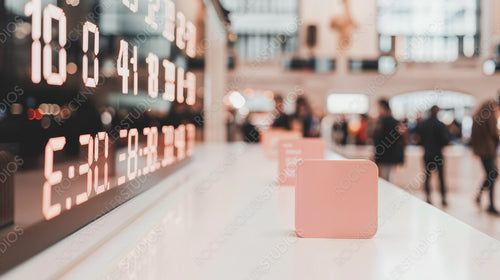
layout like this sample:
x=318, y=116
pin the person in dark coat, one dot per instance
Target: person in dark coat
x=433, y=135
x=484, y=141
x=282, y=120
x=389, y=141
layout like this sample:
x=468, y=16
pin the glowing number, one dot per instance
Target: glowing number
x=180, y=142
x=169, y=31
x=191, y=40
x=169, y=94
x=152, y=149
x=86, y=140
x=153, y=69
x=34, y=9
x=103, y=136
x=51, y=12
x=122, y=66
x=168, y=141
x=191, y=138
x=87, y=28
x=122, y=156
x=53, y=178
x=181, y=30
x=180, y=85
x=191, y=88
x=133, y=140
x=153, y=8
x=132, y=6
x=134, y=61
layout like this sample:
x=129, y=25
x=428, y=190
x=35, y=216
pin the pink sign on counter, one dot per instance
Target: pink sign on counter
x=292, y=153
x=336, y=199
x=270, y=139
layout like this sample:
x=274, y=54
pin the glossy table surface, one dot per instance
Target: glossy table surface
x=224, y=217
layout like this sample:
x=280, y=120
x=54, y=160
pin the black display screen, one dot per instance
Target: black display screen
x=96, y=105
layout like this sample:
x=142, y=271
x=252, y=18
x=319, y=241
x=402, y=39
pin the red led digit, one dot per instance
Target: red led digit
x=191, y=88
x=191, y=138
x=169, y=94
x=50, y=210
x=153, y=69
x=169, y=30
x=180, y=33
x=89, y=27
x=86, y=140
x=34, y=9
x=101, y=136
x=180, y=85
x=132, y=5
x=168, y=142
x=133, y=147
x=153, y=8
x=122, y=65
x=180, y=142
x=122, y=157
x=50, y=13
x=191, y=39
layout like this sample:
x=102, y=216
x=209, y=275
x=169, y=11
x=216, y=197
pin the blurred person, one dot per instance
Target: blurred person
x=250, y=132
x=282, y=120
x=433, y=136
x=484, y=141
x=304, y=116
x=388, y=139
x=362, y=135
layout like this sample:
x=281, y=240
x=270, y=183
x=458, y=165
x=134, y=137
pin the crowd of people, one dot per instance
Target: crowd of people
x=390, y=136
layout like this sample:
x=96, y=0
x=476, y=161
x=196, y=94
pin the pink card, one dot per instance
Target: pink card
x=336, y=199
x=292, y=153
x=270, y=139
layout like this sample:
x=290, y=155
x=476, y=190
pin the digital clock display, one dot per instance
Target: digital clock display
x=95, y=96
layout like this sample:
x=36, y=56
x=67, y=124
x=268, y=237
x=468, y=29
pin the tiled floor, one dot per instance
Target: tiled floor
x=463, y=173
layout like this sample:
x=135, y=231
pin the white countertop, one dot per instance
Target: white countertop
x=222, y=217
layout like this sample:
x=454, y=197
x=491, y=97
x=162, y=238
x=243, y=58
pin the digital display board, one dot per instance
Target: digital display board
x=97, y=104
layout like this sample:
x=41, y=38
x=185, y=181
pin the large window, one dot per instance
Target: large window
x=429, y=30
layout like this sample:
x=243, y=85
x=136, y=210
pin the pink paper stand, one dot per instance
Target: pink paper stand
x=336, y=199
x=292, y=153
x=270, y=139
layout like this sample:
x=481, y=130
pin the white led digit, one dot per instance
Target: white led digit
x=122, y=156
x=169, y=30
x=191, y=39
x=181, y=30
x=133, y=6
x=34, y=9
x=168, y=142
x=101, y=136
x=86, y=140
x=153, y=8
x=89, y=27
x=153, y=69
x=180, y=85
x=180, y=142
x=191, y=88
x=134, y=62
x=53, y=177
x=191, y=138
x=169, y=94
x=50, y=13
x=152, y=149
x=122, y=65
x=133, y=147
